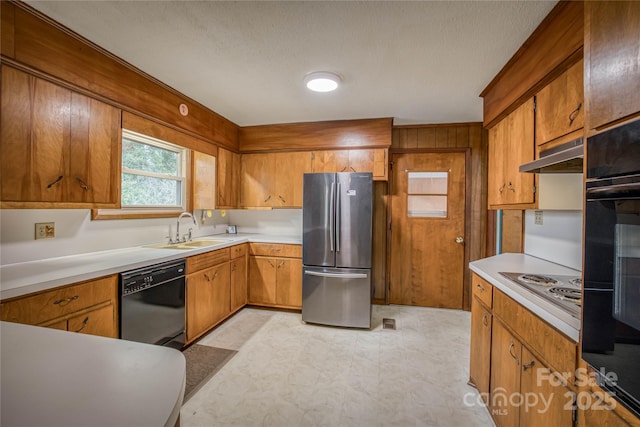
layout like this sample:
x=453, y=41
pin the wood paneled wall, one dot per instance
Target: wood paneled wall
x=440, y=137
x=370, y=133
x=35, y=43
x=554, y=46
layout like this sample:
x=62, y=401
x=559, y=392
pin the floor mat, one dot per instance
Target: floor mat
x=202, y=363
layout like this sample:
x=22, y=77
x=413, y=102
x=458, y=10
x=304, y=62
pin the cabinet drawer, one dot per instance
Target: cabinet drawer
x=275, y=249
x=59, y=302
x=238, y=251
x=557, y=350
x=209, y=259
x=482, y=290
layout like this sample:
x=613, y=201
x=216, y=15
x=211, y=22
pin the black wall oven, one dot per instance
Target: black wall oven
x=611, y=302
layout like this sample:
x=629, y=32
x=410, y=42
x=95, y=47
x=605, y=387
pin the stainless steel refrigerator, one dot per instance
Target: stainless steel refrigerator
x=336, y=249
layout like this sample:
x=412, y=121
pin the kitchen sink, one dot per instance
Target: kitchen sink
x=187, y=245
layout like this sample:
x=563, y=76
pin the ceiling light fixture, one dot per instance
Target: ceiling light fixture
x=322, y=81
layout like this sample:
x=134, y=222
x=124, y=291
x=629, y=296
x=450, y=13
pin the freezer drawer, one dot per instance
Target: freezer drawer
x=337, y=296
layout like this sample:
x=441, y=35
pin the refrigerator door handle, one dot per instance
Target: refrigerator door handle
x=331, y=216
x=336, y=275
x=338, y=197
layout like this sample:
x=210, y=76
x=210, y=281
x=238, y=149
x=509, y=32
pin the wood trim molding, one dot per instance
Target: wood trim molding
x=554, y=46
x=364, y=133
x=437, y=125
x=38, y=42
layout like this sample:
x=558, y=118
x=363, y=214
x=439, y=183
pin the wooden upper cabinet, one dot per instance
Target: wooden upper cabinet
x=228, y=177
x=612, y=62
x=58, y=148
x=256, y=172
x=560, y=105
x=204, y=182
x=290, y=168
x=360, y=160
x=511, y=143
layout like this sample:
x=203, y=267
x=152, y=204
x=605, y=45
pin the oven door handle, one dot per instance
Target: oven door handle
x=619, y=191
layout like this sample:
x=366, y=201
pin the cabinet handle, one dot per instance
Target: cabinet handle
x=343, y=169
x=271, y=264
x=485, y=319
x=574, y=114
x=84, y=323
x=528, y=365
x=281, y=264
x=83, y=184
x=511, y=346
x=268, y=198
x=479, y=286
x=65, y=301
x=276, y=249
x=502, y=188
x=55, y=182
x=206, y=276
x=283, y=200
x=224, y=202
x=353, y=169
x=511, y=187
x=215, y=274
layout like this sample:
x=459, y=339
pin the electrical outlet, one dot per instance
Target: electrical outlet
x=538, y=218
x=45, y=230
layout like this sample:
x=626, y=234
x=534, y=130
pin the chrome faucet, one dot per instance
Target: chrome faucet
x=182, y=215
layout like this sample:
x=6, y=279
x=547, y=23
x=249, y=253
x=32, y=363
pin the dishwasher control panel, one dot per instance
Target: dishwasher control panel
x=147, y=277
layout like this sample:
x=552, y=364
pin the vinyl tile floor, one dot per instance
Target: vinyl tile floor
x=287, y=373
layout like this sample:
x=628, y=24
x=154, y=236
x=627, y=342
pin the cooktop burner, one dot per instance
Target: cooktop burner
x=562, y=291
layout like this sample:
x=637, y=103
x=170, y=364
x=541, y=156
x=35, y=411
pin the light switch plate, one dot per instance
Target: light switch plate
x=538, y=219
x=45, y=230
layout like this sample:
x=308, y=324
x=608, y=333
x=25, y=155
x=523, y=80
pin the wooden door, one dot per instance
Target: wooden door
x=203, y=173
x=227, y=174
x=520, y=149
x=34, y=140
x=221, y=284
x=559, y=105
x=480, y=357
x=289, y=282
x=262, y=280
x=535, y=380
x=238, y=283
x=506, y=357
x=289, y=170
x=427, y=231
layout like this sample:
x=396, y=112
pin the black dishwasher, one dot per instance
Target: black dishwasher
x=152, y=304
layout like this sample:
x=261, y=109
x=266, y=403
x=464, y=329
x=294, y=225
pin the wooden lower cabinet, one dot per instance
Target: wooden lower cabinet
x=88, y=307
x=275, y=280
x=480, y=366
x=506, y=357
x=208, y=298
x=239, y=291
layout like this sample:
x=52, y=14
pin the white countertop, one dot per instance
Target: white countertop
x=489, y=269
x=34, y=276
x=52, y=377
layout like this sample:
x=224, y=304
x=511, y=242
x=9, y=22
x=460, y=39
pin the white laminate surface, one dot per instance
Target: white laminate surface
x=35, y=276
x=489, y=269
x=52, y=377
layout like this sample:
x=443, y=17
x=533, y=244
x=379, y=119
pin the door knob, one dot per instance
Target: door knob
x=459, y=240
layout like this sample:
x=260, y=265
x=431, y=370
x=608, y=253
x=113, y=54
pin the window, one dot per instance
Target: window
x=427, y=194
x=153, y=173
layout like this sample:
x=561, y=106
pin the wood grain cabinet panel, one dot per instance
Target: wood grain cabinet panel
x=275, y=250
x=57, y=146
x=239, y=289
x=480, y=355
x=506, y=358
x=289, y=282
x=482, y=290
x=228, y=178
x=612, y=62
x=208, y=299
x=356, y=160
x=275, y=275
x=67, y=308
x=560, y=105
x=262, y=280
x=204, y=183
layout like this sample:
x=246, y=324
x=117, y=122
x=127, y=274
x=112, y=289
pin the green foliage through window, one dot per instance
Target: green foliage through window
x=152, y=172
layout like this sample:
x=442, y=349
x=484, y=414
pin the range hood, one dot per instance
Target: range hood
x=565, y=158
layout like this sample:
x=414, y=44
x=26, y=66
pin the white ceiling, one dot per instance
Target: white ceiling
x=418, y=62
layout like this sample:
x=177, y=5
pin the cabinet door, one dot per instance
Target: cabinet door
x=380, y=164
x=94, y=153
x=262, y=280
x=238, y=283
x=520, y=149
x=221, y=283
x=204, y=172
x=96, y=322
x=324, y=161
x=559, y=105
x=612, y=55
x=200, y=302
x=361, y=160
x=506, y=356
x=480, y=356
x=289, y=170
x=34, y=138
x=257, y=180
x=555, y=403
x=497, y=163
x=289, y=282
x=228, y=174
